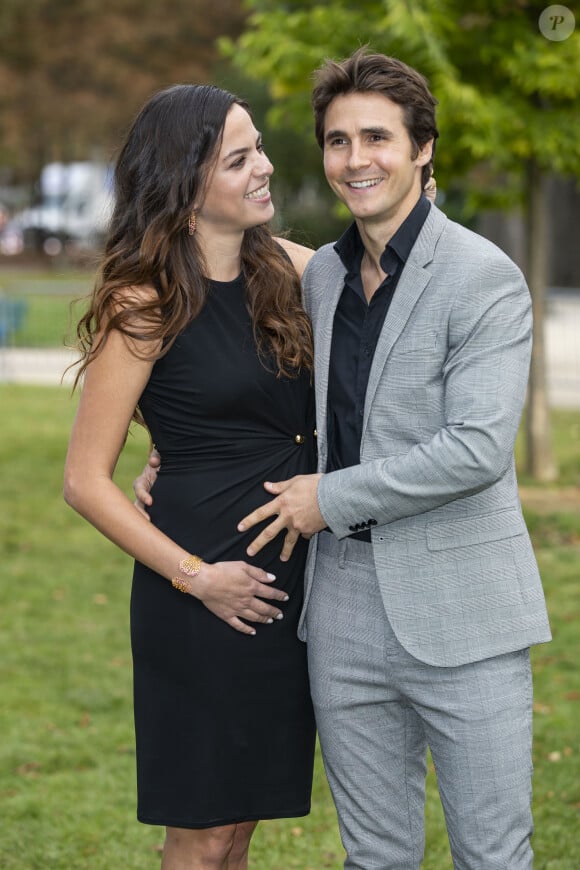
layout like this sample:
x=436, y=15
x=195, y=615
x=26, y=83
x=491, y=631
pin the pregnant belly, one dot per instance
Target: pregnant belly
x=200, y=508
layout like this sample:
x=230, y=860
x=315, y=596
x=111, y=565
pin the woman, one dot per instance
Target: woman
x=196, y=324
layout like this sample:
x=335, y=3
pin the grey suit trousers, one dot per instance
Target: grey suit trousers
x=378, y=708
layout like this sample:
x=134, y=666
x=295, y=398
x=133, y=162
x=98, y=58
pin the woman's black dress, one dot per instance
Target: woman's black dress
x=224, y=724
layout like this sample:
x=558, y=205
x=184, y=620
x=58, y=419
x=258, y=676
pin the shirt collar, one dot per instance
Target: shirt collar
x=349, y=246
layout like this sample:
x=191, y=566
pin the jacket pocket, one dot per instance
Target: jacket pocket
x=470, y=531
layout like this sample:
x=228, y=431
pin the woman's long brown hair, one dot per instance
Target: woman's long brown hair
x=158, y=176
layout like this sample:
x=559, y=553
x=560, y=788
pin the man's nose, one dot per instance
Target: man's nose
x=357, y=156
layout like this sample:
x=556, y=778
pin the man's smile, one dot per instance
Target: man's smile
x=361, y=185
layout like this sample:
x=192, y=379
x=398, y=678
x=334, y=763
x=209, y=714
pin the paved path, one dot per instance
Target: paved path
x=562, y=336
x=29, y=366
x=19, y=365
x=47, y=367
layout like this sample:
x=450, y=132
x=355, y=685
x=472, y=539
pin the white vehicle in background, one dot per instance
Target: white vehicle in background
x=75, y=206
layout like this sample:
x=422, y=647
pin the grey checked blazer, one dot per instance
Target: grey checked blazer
x=436, y=483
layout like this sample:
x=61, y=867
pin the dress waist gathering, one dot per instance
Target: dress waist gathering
x=273, y=449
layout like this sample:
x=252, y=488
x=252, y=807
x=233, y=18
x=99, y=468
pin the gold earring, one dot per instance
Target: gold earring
x=192, y=222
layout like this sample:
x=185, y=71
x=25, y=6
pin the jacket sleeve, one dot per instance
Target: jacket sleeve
x=484, y=382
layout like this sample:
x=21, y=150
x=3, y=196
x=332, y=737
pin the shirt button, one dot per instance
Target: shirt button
x=299, y=439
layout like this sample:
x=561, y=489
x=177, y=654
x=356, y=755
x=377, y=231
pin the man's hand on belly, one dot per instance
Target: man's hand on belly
x=295, y=508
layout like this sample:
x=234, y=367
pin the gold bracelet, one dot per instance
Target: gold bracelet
x=191, y=566
x=180, y=584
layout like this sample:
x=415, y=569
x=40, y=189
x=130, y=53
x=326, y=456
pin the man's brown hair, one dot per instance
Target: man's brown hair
x=377, y=73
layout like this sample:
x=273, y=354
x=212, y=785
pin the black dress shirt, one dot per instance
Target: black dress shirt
x=356, y=330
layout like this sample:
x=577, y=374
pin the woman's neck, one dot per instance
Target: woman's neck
x=222, y=255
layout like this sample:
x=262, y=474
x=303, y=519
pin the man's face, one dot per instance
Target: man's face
x=367, y=158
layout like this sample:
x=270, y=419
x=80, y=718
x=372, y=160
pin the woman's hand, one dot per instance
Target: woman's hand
x=430, y=189
x=233, y=591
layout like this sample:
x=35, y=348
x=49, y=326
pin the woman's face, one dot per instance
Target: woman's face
x=237, y=195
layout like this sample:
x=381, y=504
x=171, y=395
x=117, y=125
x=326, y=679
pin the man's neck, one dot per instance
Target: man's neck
x=371, y=275
x=376, y=234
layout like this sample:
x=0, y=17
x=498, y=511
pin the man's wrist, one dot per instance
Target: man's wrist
x=318, y=499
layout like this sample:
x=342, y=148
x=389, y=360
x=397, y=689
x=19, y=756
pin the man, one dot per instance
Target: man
x=422, y=592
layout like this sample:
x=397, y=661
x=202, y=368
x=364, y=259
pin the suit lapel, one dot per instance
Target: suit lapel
x=323, y=323
x=412, y=283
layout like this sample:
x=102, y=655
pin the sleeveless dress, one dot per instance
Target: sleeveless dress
x=224, y=724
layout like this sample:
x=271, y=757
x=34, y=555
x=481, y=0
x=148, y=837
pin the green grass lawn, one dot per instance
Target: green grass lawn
x=67, y=780
x=52, y=306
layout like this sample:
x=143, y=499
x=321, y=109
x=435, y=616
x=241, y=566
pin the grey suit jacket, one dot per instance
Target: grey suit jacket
x=436, y=482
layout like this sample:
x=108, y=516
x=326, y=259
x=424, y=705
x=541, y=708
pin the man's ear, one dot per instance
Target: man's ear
x=425, y=153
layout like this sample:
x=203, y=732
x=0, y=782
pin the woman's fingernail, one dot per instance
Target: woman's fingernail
x=270, y=621
x=271, y=576
x=280, y=616
x=241, y=527
x=286, y=598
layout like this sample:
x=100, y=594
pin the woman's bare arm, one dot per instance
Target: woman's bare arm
x=299, y=254
x=113, y=384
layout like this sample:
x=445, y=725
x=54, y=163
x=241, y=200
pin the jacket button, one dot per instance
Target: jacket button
x=352, y=528
x=299, y=439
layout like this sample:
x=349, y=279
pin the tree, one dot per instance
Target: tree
x=508, y=107
x=73, y=72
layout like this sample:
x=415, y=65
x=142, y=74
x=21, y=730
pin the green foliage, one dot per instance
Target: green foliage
x=67, y=770
x=506, y=93
x=78, y=70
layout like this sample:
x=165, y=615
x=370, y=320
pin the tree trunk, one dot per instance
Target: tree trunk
x=540, y=461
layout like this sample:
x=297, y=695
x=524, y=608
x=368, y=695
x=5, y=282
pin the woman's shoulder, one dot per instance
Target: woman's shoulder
x=135, y=293
x=299, y=254
x=135, y=310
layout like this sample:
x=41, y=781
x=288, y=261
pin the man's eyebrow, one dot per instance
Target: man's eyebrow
x=335, y=134
x=366, y=131
x=377, y=131
x=238, y=151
